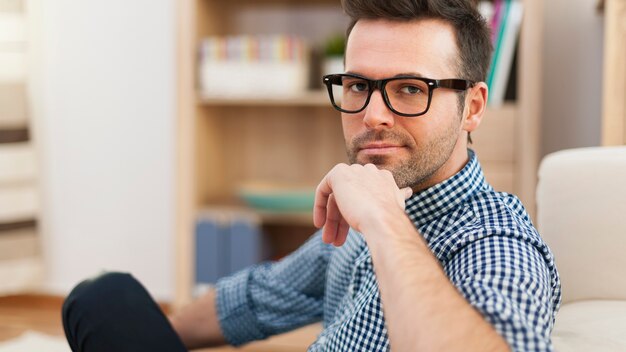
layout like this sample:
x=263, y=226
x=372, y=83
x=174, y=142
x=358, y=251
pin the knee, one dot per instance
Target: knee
x=96, y=292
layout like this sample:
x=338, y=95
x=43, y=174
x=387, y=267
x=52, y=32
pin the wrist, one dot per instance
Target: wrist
x=390, y=225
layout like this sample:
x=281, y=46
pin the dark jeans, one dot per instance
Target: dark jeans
x=114, y=312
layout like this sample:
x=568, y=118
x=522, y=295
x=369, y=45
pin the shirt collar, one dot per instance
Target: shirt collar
x=438, y=200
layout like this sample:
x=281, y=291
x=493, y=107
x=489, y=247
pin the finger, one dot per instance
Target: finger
x=342, y=233
x=322, y=193
x=333, y=220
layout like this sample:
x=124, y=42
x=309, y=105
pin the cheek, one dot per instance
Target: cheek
x=429, y=128
x=419, y=129
x=441, y=117
x=350, y=125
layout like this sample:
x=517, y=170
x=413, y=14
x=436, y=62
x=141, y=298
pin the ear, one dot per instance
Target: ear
x=475, y=105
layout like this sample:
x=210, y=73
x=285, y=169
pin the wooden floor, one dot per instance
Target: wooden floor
x=43, y=314
x=30, y=312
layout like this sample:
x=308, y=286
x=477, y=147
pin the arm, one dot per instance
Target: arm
x=259, y=301
x=197, y=323
x=507, y=277
x=423, y=310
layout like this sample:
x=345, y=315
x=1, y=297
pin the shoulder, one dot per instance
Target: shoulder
x=484, y=217
x=499, y=214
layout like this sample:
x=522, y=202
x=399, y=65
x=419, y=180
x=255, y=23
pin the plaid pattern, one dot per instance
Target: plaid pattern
x=484, y=240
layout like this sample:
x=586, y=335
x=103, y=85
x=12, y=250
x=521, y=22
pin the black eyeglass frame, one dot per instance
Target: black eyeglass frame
x=451, y=83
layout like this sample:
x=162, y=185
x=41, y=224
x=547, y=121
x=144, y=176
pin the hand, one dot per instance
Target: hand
x=353, y=196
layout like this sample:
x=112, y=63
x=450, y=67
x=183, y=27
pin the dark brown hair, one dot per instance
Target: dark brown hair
x=472, y=32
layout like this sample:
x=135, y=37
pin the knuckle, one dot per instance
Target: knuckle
x=387, y=173
x=356, y=166
x=370, y=166
x=341, y=167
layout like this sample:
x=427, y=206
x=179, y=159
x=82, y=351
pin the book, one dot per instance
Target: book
x=245, y=242
x=211, y=248
x=508, y=28
x=253, y=66
x=227, y=240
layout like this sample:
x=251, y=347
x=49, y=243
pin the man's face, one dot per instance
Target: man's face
x=419, y=151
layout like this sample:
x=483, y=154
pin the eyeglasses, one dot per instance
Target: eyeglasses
x=404, y=95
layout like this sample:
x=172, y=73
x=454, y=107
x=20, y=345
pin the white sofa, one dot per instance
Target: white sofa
x=581, y=202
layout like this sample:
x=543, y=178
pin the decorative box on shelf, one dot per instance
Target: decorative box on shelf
x=277, y=197
x=253, y=67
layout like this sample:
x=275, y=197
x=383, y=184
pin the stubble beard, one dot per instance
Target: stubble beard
x=423, y=161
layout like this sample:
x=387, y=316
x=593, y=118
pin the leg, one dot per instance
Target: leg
x=114, y=312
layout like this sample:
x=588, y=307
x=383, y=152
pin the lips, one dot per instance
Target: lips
x=380, y=148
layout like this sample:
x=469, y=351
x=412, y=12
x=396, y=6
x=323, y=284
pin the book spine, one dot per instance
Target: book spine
x=245, y=243
x=513, y=13
x=226, y=241
x=498, y=23
x=210, y=253
x=249, y=66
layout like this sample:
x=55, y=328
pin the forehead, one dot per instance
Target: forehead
x=382, y=48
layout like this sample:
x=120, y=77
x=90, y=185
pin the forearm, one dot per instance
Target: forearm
x=423, y=310
x=197, y=323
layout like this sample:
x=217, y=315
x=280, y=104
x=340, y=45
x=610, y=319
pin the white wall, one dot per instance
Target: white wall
x=105, y=108
x=572, y=74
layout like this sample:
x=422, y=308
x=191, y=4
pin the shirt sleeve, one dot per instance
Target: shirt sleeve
x=272, y=298
x=509, y=281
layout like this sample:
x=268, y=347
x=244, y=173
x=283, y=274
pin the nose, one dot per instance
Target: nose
x=377, y=114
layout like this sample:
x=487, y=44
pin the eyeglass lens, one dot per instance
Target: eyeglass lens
x=406, y=96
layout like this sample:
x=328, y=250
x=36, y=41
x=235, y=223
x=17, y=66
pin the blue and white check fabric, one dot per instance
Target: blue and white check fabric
x=483, y=239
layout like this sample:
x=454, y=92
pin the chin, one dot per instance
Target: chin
x=379, y=160
x=384, y=163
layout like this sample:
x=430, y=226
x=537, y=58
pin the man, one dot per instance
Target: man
x=425, y=255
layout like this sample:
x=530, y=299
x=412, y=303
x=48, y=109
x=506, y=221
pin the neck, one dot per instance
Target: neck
x=455, y=163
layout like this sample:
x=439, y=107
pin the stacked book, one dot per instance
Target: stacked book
x=247, y=66
x=226, y=241
x=19, y=244
x=505, y=19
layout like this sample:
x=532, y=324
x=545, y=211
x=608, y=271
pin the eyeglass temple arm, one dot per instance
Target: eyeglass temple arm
x=457, y=84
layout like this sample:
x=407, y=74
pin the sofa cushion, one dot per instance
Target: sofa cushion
x=581, y=216
x=590, y=326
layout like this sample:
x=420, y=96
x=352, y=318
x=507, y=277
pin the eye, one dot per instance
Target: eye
x=357, y=87
x=411, y=90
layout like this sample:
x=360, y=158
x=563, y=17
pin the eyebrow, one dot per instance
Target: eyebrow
x=415, y=74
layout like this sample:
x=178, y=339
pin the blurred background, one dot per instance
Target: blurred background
x=180, y=140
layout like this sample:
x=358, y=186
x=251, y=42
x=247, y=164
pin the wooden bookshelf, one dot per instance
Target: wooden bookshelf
x=310, y=98
x=21, y=259
x=614, y=95
x=225, y=142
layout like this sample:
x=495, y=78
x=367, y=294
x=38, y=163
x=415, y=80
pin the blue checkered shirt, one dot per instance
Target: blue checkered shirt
x=484, y=240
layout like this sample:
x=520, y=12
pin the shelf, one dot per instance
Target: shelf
x=286, y=218
x=265, y=217
x=310, y=98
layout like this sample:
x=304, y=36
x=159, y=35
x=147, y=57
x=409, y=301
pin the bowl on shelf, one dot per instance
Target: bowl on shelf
x=274, y=197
